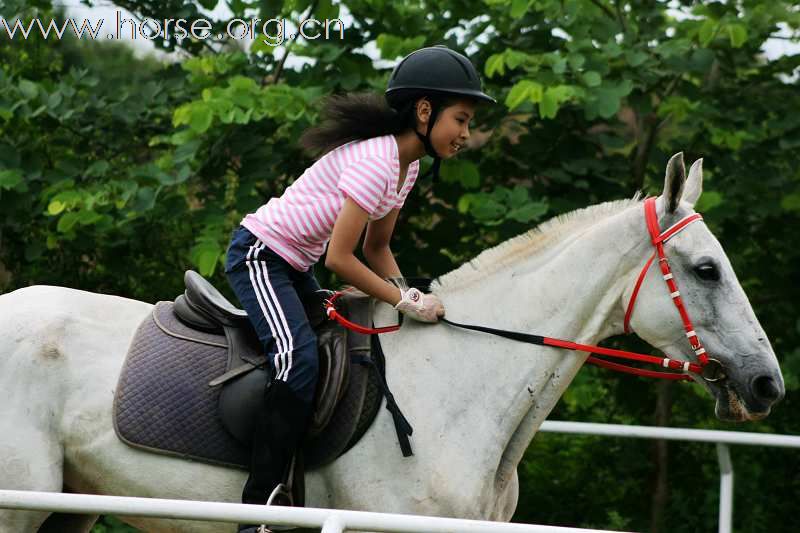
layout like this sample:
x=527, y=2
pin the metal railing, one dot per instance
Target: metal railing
x=330, y=520
x=721, y=438
x=337, y=521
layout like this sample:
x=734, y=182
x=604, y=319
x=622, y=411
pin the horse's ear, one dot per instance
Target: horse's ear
x=694, y=183
x=673, y=183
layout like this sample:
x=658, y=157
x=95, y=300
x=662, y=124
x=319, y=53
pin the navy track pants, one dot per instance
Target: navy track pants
x=271, y=291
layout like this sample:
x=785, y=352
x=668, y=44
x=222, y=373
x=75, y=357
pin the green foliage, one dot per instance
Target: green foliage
x=110, y=524
x=117, y=174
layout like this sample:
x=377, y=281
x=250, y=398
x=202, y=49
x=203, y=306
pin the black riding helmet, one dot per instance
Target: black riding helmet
x=433, y=71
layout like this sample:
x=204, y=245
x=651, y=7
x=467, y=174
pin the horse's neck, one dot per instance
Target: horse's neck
x=493, y=393
x=570, y=289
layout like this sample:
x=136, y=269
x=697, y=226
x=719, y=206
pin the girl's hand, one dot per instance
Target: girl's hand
x=423, y=307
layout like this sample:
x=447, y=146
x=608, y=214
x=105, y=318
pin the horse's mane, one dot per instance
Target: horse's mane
x=531, y=242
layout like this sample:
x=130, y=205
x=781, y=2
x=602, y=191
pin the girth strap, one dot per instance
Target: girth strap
x=401, y=424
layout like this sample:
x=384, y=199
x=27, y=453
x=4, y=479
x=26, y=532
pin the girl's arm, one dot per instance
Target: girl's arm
x=347, y=231
x=376, y=246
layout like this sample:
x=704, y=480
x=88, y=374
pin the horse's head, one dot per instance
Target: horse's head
x=717, y=307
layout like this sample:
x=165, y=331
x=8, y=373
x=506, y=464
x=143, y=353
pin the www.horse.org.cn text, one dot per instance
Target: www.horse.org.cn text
x=272, y=32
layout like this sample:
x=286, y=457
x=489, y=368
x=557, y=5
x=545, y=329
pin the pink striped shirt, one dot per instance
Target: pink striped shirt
x=298, y=224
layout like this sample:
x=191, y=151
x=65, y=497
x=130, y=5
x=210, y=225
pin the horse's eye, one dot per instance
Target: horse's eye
x=707, y=271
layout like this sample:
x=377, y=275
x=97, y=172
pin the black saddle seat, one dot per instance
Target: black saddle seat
x=204, y=297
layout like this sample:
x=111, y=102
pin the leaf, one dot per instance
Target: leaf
x=494, y=65
x=519, y=8
x=201, y=118
x=54, y=100
x=87, y=217
x=243, y=83
x=791, y=202
x=606, y=102
x=529, y=212
x=737, y=34
x=186, y=151
x=576, y=61
x=484, y=208
x=465, y=201
x=553, y=98
x=518, y=197
x=55, y=207
x=461, y=171
x=326, y=9
x=28, y=89
x=392, y=46
x=98, y=168
x=635, y=57
x=523, y=91
x=145, y=200
x=10, y=179
x=67, y=222
x=708, y=200
x=205, y=255
x=592, y=78
x=707, y=31
x=548, y=107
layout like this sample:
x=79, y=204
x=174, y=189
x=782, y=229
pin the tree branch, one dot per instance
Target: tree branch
x=605, y=8
x=279, y=68
x=619, y=17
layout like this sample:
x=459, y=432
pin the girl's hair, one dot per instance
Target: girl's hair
x=358, y=116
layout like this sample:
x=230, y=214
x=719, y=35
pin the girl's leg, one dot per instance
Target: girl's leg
x=262, y=281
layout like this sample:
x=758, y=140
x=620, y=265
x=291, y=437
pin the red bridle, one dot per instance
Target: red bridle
x=658, y=238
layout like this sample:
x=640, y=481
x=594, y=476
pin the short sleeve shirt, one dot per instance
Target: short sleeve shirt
x=298, y=224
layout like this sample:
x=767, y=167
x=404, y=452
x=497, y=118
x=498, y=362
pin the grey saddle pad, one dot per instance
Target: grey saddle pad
x=163, y=402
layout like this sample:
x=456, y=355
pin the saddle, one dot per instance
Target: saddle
x=195, y=374
x=204, y=308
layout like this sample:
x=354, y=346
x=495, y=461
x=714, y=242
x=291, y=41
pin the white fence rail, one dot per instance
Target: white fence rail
x=330, y=520
x=721, y=438
x=335, y=521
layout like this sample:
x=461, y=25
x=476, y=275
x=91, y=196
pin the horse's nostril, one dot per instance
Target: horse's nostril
x=765, y=389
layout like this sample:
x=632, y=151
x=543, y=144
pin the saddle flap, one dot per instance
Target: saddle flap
x=334, y=366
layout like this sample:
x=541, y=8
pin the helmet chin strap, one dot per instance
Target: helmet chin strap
x=426, y=141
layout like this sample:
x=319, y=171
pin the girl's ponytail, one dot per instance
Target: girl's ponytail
x=353, y=117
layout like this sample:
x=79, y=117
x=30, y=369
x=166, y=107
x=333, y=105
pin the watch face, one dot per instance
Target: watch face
x=414, y=296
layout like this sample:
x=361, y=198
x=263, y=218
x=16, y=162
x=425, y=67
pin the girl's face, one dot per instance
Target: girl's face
x=451, y=130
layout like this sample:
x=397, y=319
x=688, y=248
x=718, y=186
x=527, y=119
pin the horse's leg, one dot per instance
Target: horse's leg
x=31, y=461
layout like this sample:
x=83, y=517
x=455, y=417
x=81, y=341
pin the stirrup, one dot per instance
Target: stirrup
x=282, y=491
x=263, y=528
x=279, y=492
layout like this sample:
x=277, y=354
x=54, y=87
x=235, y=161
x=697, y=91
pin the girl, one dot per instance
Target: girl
x=369, y=162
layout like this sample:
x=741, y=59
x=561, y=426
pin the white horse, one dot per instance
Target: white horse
x=475, y=400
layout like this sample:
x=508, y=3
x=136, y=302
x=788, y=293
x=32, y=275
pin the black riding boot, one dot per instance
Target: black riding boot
x=279, y=430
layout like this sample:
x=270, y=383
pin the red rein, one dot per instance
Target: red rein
x=658, y=239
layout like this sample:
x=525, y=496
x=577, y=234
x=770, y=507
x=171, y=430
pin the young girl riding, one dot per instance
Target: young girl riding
x=369, y=163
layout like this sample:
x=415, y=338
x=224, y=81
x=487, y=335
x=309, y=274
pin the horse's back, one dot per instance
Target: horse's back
x=39, y=303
